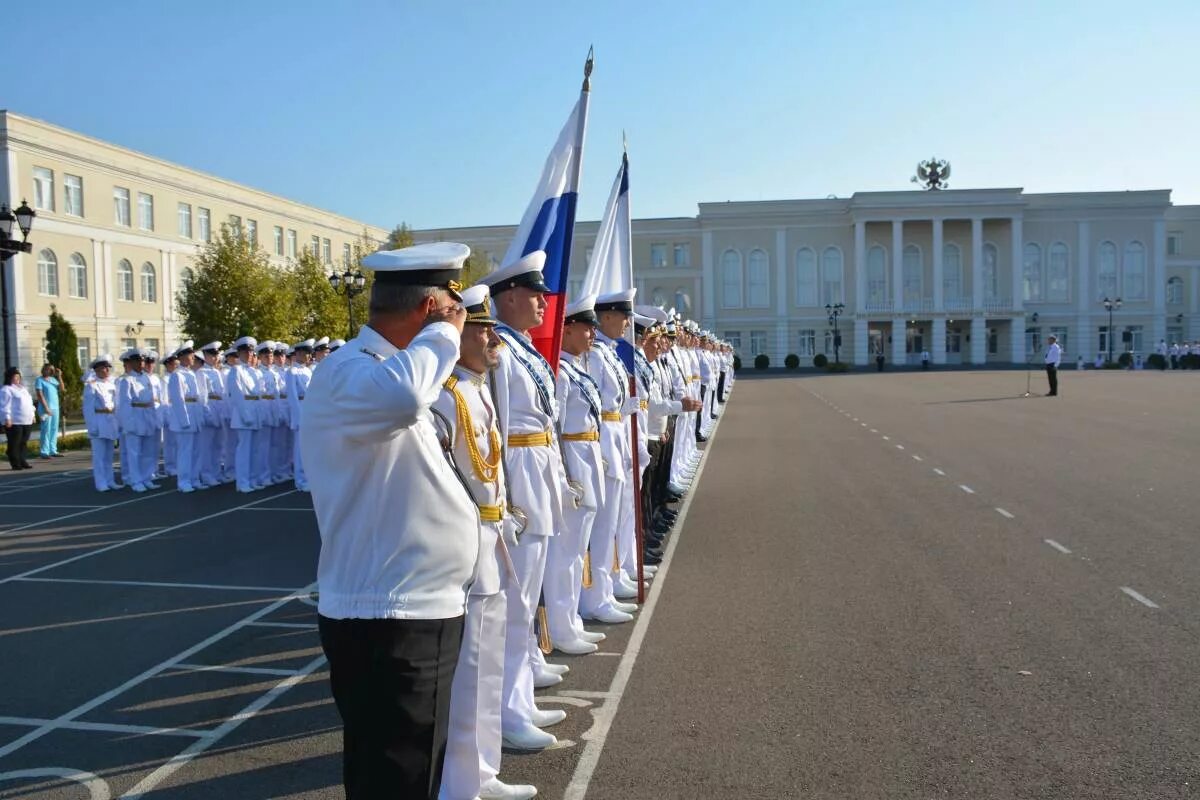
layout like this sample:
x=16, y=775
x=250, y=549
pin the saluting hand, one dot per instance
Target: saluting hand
x=454, y=313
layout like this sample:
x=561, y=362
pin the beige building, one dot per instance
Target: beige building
x=977, y=276
x=116, y=233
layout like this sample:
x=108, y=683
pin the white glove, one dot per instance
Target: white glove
x=631, y=405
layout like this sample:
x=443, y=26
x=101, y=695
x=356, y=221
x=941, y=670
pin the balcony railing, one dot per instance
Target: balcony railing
x=958, y=303
x=878, y=306
x=997, y=304
x=918, y=305
x=924, y=305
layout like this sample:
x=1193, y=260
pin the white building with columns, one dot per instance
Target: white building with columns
x=976, y=276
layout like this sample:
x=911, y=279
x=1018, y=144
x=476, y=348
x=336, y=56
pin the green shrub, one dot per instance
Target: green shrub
x=1125, y=361
x=792, y=361
x=1156, y=361
x=1111, y=365
x=72, y=441
x=819, y=361
x=837, y=366
x=762, y=361
x=737, y=363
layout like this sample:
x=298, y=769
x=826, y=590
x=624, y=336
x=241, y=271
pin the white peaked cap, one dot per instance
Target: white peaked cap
x=623, y=296
x=265, y=344
x=475, y=295
x=307, y=343
x=644, y=321
x=214, y=347
x=586, y=303
x=106, y=358
x=187, y=345
x=430, y=264
x=336, y=343
x=654, y=312
x=245, y=341
x=322, y=342
x=525, y=271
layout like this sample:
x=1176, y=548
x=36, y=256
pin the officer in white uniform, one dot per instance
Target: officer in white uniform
x=210, y=442
x=268, y=415
x=185, y=416
x=242, y=394
x=281, y=436
x=320, y=350
x=229, y=360
x=298, y=377
x=100, y=416
x=139, y=423
x=1053, y=357
x=400, y=534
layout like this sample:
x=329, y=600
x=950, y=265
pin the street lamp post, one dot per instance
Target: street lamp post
x=1109, y=306
x=835, y=311
x=9, y=247
x=350, y=285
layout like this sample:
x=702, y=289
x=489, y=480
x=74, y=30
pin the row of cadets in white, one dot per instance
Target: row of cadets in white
x=267, y=445
x=661, y=404
x=244, y=416
x=138, y=420
x=100, y=417
x=685, y=423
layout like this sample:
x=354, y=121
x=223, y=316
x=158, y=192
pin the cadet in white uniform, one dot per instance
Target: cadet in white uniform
x=185, y=417
x=139, y=423
x=242, y=394
x=400, y=534
x=281, y=435
x=211, y=439
x=100, y=417
x=268, y=416
x=296, y=386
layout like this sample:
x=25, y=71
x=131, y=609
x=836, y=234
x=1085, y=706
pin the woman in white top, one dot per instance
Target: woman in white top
x=16, y=407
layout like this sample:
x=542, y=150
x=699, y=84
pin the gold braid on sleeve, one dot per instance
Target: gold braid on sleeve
x=488, y=471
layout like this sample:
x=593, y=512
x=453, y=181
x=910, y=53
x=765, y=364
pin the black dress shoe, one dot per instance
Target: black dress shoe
x=652, y=560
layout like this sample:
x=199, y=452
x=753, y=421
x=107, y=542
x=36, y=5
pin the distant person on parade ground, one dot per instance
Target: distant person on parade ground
x=400, y=534
x=16, y=408
x=48, y=386
x=1053, y=357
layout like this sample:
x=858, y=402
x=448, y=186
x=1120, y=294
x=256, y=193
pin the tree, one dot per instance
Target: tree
x=401, y=236
x=235, y=292
x=318, y=311
x=475, y=268
x=62, y=351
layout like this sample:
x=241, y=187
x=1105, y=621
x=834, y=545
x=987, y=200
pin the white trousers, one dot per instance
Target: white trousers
x=602, y=544
x=298, y=463
x=207, y=450
x=476, y=698
x=185, y=458
x=564, y=573
x=281, y=453
x=529, y=562
x=170, y=455
x=148, y=455
x=260, y=454
x=244, y=457
x=229, y=441
x=102, y=463
x=627, y=531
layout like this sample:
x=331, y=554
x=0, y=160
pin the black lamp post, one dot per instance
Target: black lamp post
x=350, y=285
x=9, y=247
x=1109, y=306
x=835, y=311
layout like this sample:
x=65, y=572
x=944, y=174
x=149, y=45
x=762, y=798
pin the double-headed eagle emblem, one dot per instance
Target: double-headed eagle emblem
x=933, y=174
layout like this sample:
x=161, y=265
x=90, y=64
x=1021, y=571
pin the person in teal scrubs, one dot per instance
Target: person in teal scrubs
x=47, y=388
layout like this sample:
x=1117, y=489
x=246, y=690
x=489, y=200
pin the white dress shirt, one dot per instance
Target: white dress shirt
x=1053, y=354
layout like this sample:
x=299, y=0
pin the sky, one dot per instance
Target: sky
x=441, y=114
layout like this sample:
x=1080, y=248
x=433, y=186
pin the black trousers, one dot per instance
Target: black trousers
x=721, y=387
x=391, y=683
x=1052, y=374
x=650, y=483
x=700, y=414
x=663, y=477
x=18, y=437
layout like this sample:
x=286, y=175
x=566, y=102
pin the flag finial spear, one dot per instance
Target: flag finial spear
x=587, y=71
x=624, y=142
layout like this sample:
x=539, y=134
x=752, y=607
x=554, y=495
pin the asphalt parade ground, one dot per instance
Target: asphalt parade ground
x=910, y=585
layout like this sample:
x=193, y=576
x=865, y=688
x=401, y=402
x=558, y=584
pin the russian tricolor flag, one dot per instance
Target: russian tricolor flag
x=549, y=221
x=611, y=267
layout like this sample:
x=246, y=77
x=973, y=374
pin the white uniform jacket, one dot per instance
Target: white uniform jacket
x=605, y=367
x=135, y=405
x=242, y=394
x=216, y=410
x=579, y=412
x=184, y=412
x=100, y=408
x=296, y=386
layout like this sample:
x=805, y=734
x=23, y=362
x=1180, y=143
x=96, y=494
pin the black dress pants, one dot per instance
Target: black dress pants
x=18, y=437
x=1052, y=375
x=391, y=683
x=721, y=387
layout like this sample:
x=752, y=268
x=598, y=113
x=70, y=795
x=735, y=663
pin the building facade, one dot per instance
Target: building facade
x=978, y=276
x=117, y=232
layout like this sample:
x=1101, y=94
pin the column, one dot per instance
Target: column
x=1017, y=340
x=708, y=282
x=109, y=283
x=899, y=339
x=937, y=341
x=898, y=266
x=1158, y=275
x=976, y=265
x=781, y=297
x=978, y=340
x=1018, y=247
x=861, y=357
x=938, y=300
x=860, y=267
x=1081, y=341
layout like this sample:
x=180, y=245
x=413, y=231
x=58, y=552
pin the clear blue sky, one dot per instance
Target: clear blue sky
x=441, y=113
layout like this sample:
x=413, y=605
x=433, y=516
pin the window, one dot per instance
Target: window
x=952, y=282
x=991, y=257
x=807, y=344
x=1103, y=343
x=83, y=352
x=1058, y=274
x=252, y=232
x=1060, y=333
x=346, y=253
x=235, y=226
x=682, y=254
x=830, y=345
x=993, y=341
x=658, y=255
x=73, y=195
x=121, y=206
x=877, y=275
x=47, y=266
x=1031, y=275
x=278, y=240
x=758, y=280
x=1136, y=336
x=1175, y=291
x=731, y=279
x=758, y=342
x=77, y=276
x=831, y=272
x=43, y=189
x=205, y=219
x=185, y=220
x=683, y=302
x=914, y=275
x=145, y=211
x=149, y=283
x=1106, y=283
x=291, y=243
x=1134, y=272
x=735, y=339
x=806, y=277
x=125, y=282
x=326, y=251
x=658, y=297
x=1174, y=239
x=316, y=246
x=1033, y=340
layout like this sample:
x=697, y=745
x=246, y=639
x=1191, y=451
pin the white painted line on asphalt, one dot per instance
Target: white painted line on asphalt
x=308, y=626
x=1002, y=512
x=863, y=424
x=601, y=653
x=874, y=431
x=1057, y=546
x=887, y=438
x=148, y=496
x=917, y=457
x=279, y=673
x=1141, y=598
x=282, y=508
x=145, y=730
x=96, y=786
x=966, y=488
x=602, y=717
x=856, y=419
x=586, y=694
x=165, y=585
x=939, y=472
x=899, y=447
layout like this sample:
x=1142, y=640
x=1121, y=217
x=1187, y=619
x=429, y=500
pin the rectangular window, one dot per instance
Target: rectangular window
x=1173, y=242
x=145, y=211
x=185, y=220
x=993, y=341
x=291, y=243
x=121, y=207
x=43, y=189
x=807, y=343
x=346, y=254
x=316, y=246
x=1103, y=344
x=758, y=342
x=152, y=344
x=1060, y=333
x=83, y=352
x=252, y=232
x=235, y=226
x=73, y=195
x=77, y=276
x=735, y=339
x=278, y=240
x=682, y=254
x=658, y=255
x=326, y=251
x=1134, y=343
x=205, y=219
x=128, y=344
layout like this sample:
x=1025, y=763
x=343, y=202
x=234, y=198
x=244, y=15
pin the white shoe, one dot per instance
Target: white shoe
x=577, y=647
x=495, y=789
x=556, y=669
x=675, y=488
x=139, y=488
x=528, y=739
x=624, y=590
x=187, y=489
x=150, y=485
x=544, y=718
x=544, y=680
x=595, y=637
x=650, y=570
x=104, y=489
x=609, y=615
x=625, y=608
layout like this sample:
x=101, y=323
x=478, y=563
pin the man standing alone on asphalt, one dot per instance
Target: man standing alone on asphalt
x=1053, y=357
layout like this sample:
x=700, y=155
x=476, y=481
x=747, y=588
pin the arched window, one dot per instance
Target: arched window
x=149, y=283
x=806, y=277
x=1134, y=273
x=683, y=301
x=914, y=275
x=877, y=288
x=991, y=257
x=124, y=280
x=1175, y=290
x=658, y=297
x=1031, y=274
x=1058, y=274
x=952, y=277
x=47, y=264
x=731, y=279
x=1106, y=271
x=831, y=276
x=758, y=280
x=77, y=276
